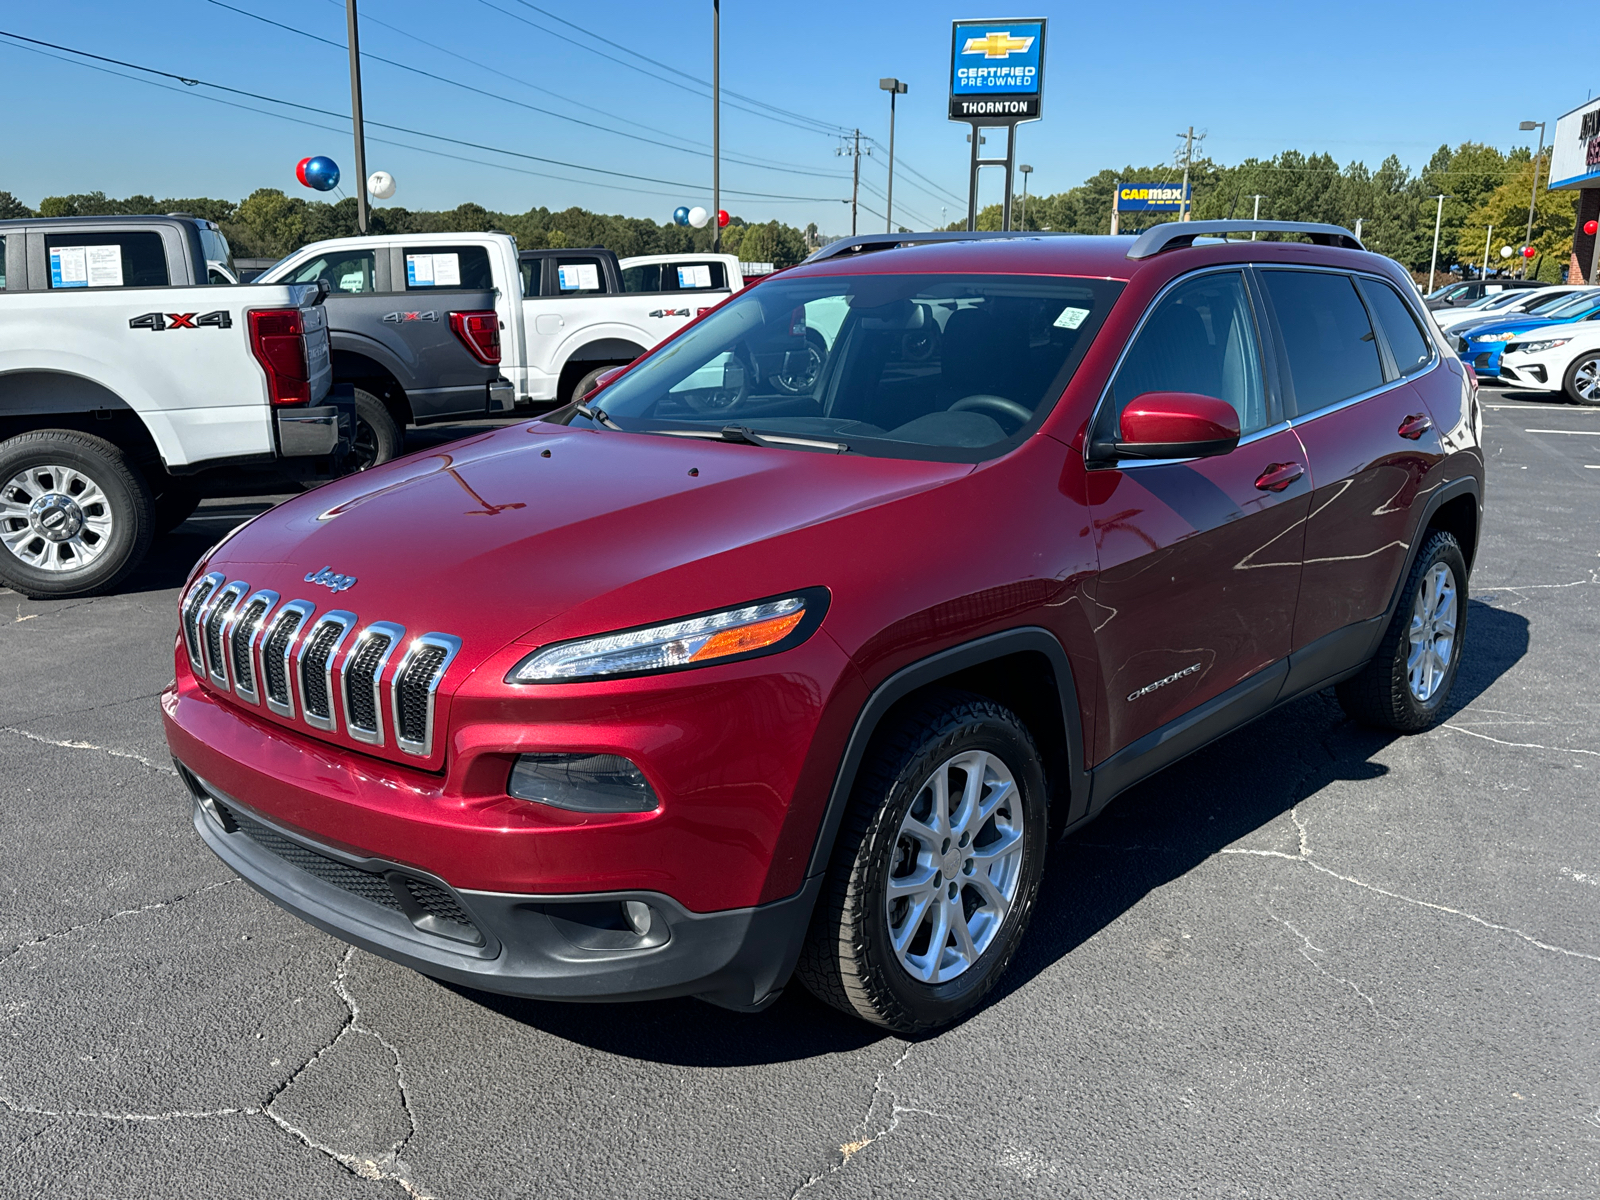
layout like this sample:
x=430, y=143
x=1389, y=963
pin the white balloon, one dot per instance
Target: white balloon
x=380, y=184
x=1506, y=251
x=698, y=217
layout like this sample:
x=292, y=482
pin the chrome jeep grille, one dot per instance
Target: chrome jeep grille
x=314, y=667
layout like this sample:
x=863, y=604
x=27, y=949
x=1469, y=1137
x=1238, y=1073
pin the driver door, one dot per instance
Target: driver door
x=1200, y=559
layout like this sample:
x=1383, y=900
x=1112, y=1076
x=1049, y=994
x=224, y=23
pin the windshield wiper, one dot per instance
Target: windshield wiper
x=743, y=433
x=597, y=415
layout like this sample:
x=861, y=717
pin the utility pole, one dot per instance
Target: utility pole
x=355, y=114
x=855, y=182
x=895, y=88
x=1188, y=156
x=1358, y=228
x=1256, y=215
x=1487, y=237
x=716, y=126
x=1026, y=171
x=1528, y=126
x=1437, y=218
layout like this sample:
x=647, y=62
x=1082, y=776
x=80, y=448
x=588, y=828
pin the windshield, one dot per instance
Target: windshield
x=1550, y=303
x=1448, y=292
x=1573, y=306
x=948, y=367
x=1496, y=300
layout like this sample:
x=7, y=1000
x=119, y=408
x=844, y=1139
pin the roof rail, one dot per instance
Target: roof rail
x=868, y=242
x=1175, y=234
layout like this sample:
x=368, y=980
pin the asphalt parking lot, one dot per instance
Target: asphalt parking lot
x=1311, y=961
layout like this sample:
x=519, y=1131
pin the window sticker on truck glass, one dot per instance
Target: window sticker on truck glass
x=579, y=277
x=433, y=270
x=696, y=276
x=85, y=266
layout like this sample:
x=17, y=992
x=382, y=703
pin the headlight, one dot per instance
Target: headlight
x=763, y=627
x=1495, y=337
x=1537, y=347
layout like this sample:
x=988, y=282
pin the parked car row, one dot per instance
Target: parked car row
x=137, y=375
x=1542, y=338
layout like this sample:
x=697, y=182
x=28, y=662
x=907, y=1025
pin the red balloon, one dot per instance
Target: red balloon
x=1590, y=227
x=300, y=170
x=722, y=218
x=1528, y=252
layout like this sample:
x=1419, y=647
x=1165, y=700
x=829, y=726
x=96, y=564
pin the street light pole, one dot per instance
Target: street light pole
x=1026, y=171
x=1533, y=199
x=1487, y=238
x=716, y=126
x=895, y=88
x=1437, y=218
x=1256, y=215
x=356, y=121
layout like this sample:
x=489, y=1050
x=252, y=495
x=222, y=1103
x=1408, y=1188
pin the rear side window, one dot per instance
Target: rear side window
x=1200, y=338
x=348, y=271
x=675, y=277
x=1331, y=350
x=448, y=267
x=88, y=260
x=579, y=276
x=1406, y=343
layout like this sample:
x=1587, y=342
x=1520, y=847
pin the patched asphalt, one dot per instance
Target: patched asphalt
x=1311, y=961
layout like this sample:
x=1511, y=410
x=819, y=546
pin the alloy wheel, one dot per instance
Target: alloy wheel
x=54, y=518
x=1586, y=380
x=957, y=865
x=1433, y=631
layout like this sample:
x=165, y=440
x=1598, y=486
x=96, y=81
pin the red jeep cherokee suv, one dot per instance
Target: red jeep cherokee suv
x=790, y=649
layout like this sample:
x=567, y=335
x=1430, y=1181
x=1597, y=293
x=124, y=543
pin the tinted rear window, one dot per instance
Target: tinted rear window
x=675, y=277
x=448, y=267
x=1327, y=338
x=85, y=260
x=1406, y=343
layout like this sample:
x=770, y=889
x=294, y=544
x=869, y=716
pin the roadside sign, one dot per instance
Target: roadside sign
x=1149, y=197
x=997, y=70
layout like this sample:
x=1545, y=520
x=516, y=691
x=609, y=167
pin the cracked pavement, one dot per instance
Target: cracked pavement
x=1311, y=961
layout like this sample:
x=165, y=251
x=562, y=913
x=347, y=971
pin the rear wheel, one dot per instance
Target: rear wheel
x=1406, y=684
x=936, y=868
x=378, y=436
x=1582, y=382
x=74, y=516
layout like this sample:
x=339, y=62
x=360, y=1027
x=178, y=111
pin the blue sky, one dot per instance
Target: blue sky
x=1360, y=82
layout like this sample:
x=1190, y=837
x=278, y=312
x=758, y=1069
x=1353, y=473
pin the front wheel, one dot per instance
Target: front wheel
x=75, y=518
x=378, y=435
x=1405, y=686
x=936, y=868
x=1582, y=381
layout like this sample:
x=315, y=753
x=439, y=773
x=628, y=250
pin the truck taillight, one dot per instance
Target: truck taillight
x=480, y=333
x=277, y=339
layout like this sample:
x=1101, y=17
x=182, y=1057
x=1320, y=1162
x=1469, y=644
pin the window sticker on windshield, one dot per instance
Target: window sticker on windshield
x=584, y=277
x=1071, y=317
x=697, y=276
x=67, y=267
x=433, y=270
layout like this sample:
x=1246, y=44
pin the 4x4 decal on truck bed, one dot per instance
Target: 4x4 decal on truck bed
x=156, y=322
x=395, y=318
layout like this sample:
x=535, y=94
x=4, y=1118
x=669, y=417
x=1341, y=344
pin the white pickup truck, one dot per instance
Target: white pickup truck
x=129, y=383
x=565, y=316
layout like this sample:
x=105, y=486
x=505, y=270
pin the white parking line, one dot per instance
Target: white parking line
x=1578, y=432
x=1569, y=408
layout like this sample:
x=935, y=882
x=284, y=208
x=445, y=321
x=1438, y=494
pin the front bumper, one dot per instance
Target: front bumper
x=557, y=947
x=1528, y=371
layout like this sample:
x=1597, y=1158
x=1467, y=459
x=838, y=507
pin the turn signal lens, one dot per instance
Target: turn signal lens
x=687, y=643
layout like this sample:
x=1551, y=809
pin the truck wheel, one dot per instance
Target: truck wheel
x=377, y=437
x=586, y=384
x=74, y=516
x=1582, y=382
x=172, y=502
x=935, y=870
x=1405, y=686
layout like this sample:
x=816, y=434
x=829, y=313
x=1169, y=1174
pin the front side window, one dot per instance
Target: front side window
x=90, y=260
x=1327, y=339
x=448, y=267
x=1200, y=338
x=348, y=271
x=946, y=367
x=1406, y=343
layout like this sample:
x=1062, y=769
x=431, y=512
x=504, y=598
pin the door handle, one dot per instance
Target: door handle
x=1278, y=476
x=1415, y=426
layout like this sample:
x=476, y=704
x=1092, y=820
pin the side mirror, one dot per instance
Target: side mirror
x=1177, y=425
x=604, y=378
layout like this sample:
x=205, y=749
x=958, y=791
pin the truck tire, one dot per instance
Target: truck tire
x=378, y=436
x=75, y=518
x=586, y=384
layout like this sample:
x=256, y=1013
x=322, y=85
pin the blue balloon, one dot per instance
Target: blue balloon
x=680, y=215
x=322, y=173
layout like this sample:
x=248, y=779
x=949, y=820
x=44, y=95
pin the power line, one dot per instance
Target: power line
x=508, y=100
x=190, y=82
x=933, y=189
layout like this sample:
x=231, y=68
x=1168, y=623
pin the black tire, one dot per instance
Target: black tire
x=106, y=557
x=1381, y=695
x=586, y=384
x=378, y=437
x=849, y=960
x=1585, y=391
x=172, y=502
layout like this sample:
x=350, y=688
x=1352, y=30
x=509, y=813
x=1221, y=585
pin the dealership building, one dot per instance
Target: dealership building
x=1575, y=166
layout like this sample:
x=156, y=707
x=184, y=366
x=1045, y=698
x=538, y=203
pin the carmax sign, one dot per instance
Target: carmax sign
x=1149, y=197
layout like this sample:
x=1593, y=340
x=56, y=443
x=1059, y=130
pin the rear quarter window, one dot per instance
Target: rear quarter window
x=106, y=259
x=1406, y=343
x=448, y=267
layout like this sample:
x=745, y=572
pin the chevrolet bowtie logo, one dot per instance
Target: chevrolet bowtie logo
x=997, y=45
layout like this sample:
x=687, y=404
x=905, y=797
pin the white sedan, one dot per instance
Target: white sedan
x=1565, y=357
x=1506, y=304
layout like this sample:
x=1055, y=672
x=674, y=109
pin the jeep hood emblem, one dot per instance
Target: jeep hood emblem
x=332, y=580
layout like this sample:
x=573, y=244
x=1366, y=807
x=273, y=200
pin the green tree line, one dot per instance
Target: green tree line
x=270, y=224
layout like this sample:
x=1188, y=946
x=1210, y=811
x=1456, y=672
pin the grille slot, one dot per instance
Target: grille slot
x=240, y=639
x=275, y=651
x=191, y=618
x=416, y=684
x=316, y=668
x=363, y=705
x=213, y=619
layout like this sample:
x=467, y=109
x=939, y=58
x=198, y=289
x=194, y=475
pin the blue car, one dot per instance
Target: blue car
x=1481, y=344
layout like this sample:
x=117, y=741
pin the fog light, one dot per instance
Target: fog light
x=596, y=783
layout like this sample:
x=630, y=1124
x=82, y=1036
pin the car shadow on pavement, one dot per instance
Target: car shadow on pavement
x=173, y=555
x=1148, y=837
x=1173, y=822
